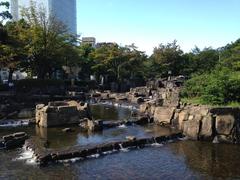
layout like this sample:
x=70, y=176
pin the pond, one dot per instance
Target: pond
x=178, y=160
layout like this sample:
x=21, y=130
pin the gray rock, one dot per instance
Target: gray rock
x=131, y=138
x=206, y=130
x=61, y=113
x=67, y=130
x=225, y=124
x=164, y=114
x=191, y=129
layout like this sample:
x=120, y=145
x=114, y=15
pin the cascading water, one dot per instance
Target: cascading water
x=123, y=149
x=156, y=143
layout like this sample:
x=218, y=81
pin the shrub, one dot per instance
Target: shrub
x=219, y=87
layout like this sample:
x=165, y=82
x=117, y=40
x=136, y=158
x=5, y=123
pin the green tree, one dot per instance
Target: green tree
x=85, y=61
x=166, y=58
x=47, y=40
x=5, y=14
x=11, y=49
x=199, y=61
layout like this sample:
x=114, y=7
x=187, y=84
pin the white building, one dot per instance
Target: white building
x=63, y=10
x=17, y=75
x=89, y=40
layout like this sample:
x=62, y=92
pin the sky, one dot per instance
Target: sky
x=147, y=23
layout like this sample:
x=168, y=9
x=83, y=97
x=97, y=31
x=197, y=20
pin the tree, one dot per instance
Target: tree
x=5, y=14
x=199, y=61
x=11, y=48
x=47, y=39
x=166, y=58
x=86, y=62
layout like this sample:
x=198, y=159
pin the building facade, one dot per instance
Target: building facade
x=17, y=75
x=89, y=40
x=63, y=10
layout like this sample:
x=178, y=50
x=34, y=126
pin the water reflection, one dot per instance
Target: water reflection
x=109, y=112
x=215, y=160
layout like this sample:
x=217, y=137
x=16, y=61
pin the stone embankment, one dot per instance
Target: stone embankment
x=162, y=104
x=44, y=158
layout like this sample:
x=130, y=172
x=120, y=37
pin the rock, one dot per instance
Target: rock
x=159, y=102
x=164, y=114
x=140, y=100
x=61, y=113
x=222, y=139
x=13, y=140
x=134, y=113
x=20, y=134
x=190, y=117
x=131, y=138
x=91, y=125
x=191, y=129
x=96, y=95
x=142, y=120
x=26, y=113
x=183, y=116
x=224, y=124
x=8, y=137
x=143, y=108
x=67, y=130
x=122, y=98
x=206, y=132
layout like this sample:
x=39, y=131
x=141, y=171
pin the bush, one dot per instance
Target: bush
x=219, y=87
x=37, y=85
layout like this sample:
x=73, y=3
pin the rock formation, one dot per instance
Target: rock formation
x=61, y=113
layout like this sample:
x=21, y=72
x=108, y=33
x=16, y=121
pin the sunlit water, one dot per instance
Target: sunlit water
x=177, y=160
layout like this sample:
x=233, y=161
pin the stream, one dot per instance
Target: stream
x=174, y=160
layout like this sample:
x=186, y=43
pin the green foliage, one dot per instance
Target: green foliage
x=199, y=61
x=27, y=85
x=5, y=14
x=166, y=59
x=48, y=45
x=221, y=86
x=11, y=48
x=118, y=63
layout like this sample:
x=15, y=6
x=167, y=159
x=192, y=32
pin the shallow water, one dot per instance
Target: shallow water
x=178, y=160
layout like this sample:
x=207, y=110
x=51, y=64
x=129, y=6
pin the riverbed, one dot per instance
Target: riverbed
x=173, y=160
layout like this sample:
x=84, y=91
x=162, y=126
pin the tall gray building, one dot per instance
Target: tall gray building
x=64, y=10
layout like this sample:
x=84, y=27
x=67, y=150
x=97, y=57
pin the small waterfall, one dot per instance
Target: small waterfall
x=123, y=149
x=122, y=126
x=156, y=143
x=28, y=156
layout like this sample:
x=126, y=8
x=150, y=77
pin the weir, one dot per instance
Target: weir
x=44, y=158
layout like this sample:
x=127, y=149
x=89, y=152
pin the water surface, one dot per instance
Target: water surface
x=178, y=160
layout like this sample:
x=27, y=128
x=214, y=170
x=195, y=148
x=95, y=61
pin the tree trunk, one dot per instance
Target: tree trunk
x=10, y=75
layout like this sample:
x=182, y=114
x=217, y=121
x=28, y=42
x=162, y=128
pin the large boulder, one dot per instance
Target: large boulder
x=12, y=141
x=164, y=114
x=191, y=129
x=225, y=124
x=61, y=113
x=26, y=113
x=206, y=132
x=182, y=116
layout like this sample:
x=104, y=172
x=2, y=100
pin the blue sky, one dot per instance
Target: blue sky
x=148, y=23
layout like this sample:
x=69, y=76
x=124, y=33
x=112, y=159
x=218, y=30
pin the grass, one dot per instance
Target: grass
x=194, y=101
x=198, y=101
